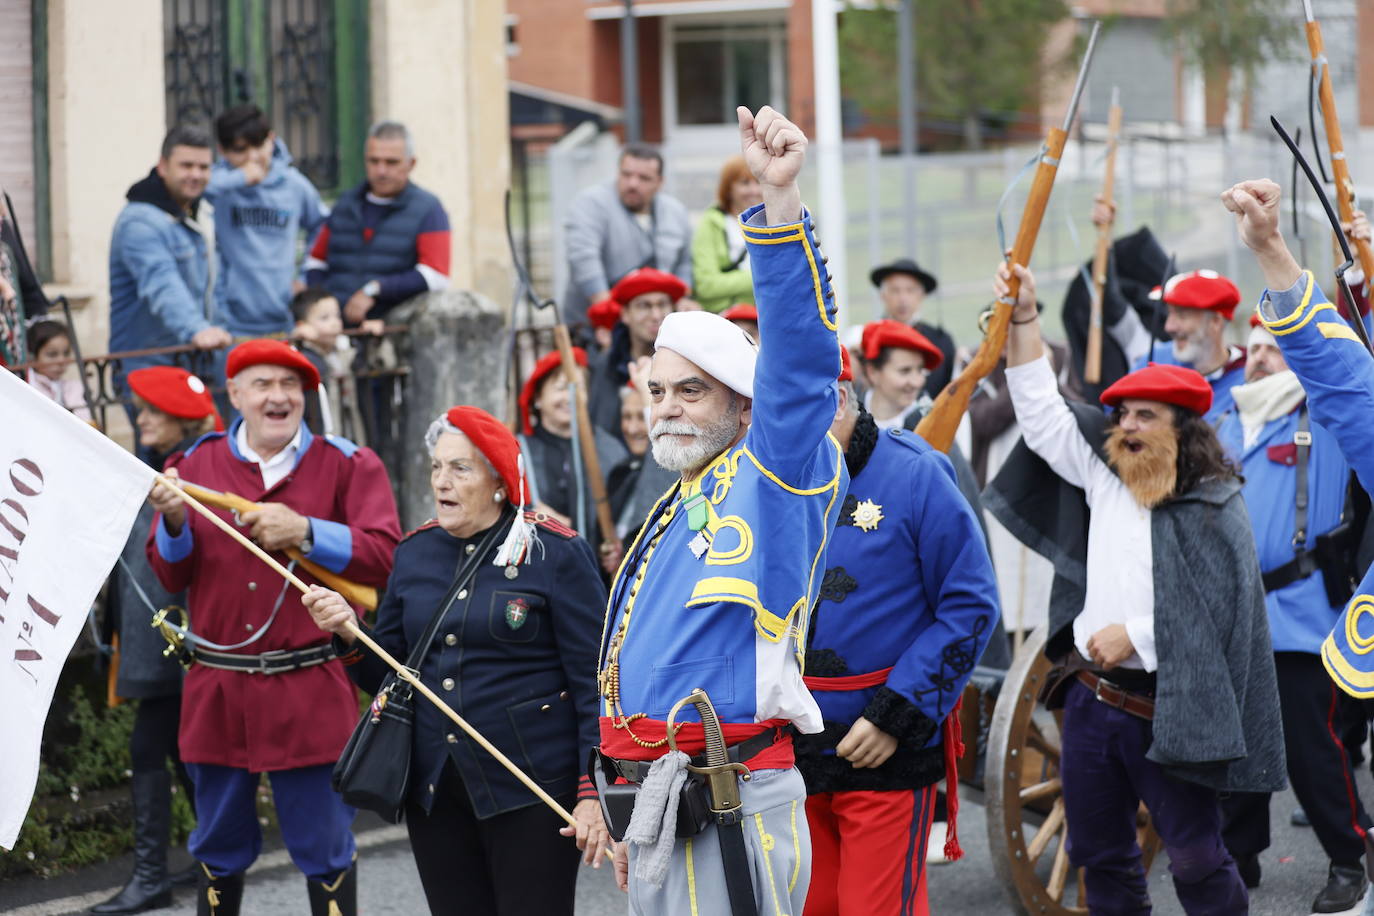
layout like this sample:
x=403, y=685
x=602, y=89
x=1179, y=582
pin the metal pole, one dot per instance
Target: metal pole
x=830, y=172
x=629, y=74
x=906, y=88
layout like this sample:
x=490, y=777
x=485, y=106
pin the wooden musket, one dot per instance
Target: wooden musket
x=1340, y=168
x=1092, y=359
x=354, y=592
x=939, y=425
x=586, y=435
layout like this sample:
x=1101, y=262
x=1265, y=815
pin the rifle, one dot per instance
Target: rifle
x=939, y=425
x=1092, y=360
x=353, y=592
x=1340, y=168
x=585, y=446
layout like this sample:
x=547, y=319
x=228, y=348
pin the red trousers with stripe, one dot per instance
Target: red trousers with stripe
x=868, y=852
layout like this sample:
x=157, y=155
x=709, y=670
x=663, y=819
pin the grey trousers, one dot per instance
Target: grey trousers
x=778, y=844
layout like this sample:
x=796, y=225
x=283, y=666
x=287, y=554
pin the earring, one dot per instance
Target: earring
x=498, y=497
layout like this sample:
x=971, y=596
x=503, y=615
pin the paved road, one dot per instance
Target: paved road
x=1294, y=870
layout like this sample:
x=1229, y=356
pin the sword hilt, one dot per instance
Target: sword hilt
x=720, y=771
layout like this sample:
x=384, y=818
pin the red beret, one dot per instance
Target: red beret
x=547, y=364
x=742, y=311
x=1175, y=385
x=174, y=391
x=491, y=437
x=888, y=333
x=605, y=314
x=846, y=367
x=271, y=353
x=1255, y=320
x=1203, y=289
x=647, y=280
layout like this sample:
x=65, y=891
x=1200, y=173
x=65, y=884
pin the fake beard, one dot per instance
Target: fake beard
x=1150, y=473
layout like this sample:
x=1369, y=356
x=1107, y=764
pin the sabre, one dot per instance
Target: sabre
x=1356, y=320
x=939, y=425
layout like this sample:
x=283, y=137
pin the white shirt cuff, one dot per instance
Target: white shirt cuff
x=1141, y=631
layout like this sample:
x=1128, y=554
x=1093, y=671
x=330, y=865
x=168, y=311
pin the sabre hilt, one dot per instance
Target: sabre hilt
x=176, y=637
x=719, y=770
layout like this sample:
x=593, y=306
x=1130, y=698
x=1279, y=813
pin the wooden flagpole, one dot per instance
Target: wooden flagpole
x=401, y=670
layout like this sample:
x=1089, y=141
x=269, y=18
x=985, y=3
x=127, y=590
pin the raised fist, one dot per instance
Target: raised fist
x=773, y=147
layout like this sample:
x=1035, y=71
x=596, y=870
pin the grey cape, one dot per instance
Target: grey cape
x=1217, y=702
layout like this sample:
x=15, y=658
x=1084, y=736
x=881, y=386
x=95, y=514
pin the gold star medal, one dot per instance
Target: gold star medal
x=867, y=515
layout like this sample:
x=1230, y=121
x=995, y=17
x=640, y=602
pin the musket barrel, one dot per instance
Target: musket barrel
x=1082, y=81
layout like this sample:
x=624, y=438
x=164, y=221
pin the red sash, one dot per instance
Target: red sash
x=616, y=742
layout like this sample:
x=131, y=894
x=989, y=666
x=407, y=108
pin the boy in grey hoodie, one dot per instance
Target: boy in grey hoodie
x=262, y=205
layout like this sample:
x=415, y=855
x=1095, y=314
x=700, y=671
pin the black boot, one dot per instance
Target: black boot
x=1345, y=885
x=217, y=896
x=337, y=899
x=148, y=887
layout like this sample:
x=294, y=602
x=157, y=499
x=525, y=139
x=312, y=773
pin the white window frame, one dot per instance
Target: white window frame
x=775, y=31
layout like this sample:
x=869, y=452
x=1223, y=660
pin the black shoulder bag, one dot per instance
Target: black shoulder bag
x=373, y=771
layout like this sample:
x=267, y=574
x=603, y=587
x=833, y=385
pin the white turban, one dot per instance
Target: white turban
x=718, y=346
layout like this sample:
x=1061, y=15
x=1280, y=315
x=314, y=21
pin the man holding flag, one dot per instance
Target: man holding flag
x=265, y=692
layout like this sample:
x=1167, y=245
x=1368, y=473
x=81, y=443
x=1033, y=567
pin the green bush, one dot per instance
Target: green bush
x=80, y=812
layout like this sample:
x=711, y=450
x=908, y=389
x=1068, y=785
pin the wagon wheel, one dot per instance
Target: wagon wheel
x=1025, y=810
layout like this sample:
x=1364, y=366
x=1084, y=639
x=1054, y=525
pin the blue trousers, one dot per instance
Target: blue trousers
x=1106, y=777
x=315, y=823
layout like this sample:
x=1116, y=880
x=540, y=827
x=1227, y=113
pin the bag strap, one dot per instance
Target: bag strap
x=466, y=571
x=1302, y=438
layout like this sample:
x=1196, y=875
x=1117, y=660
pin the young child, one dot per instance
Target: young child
x=50, y=351
x=319, y=335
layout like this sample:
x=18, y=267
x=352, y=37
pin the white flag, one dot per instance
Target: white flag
x=68, y=497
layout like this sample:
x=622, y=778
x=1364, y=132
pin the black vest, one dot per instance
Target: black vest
x=352, y=260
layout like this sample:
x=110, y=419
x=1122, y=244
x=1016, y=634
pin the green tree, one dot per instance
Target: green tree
x=1229, y=39
x=977, y=61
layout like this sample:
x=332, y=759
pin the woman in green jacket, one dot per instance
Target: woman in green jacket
x=720, y=261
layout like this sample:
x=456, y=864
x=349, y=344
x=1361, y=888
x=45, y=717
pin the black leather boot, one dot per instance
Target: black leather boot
x=1345, y=885
x=337, y=899
x=148, y=887
x=220, y=896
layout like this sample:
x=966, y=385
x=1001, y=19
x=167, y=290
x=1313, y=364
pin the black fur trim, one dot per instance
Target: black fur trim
x=899, y=717
x=861, y=442
x=903, y=770
x=825, y=663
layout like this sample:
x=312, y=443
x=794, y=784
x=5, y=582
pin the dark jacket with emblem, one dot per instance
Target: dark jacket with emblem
x=514, y=657
x=913, y=592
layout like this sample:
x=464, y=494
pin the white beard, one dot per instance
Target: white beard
x=708, y=442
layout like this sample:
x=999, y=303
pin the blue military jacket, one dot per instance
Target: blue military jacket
x=1299, y=614
x=909, y=587
x=515, y=657
x=726, y=608
x=1337, y=373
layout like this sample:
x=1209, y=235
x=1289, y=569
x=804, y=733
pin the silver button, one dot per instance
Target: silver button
x=252, y=586
x=470, y=548
x=463, y=593
x=452, y=738
x=563, y=695
x=248, y=627
x=448, y=683
x=431, y=788
x=545, y=708
x=450, y=640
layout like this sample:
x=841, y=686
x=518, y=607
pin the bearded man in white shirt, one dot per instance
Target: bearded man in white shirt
x=1157, y=618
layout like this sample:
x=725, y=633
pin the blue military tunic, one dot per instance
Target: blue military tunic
x=1300, y=616
x=1337, y=373
x=726, y=607
x=514, y=657
x=909, y=587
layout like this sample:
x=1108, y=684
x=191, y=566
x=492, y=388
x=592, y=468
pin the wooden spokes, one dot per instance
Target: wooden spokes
x=1027, y=829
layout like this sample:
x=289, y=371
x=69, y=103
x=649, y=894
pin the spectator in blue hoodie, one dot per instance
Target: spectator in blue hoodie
x=263, y=204
x=163, y=264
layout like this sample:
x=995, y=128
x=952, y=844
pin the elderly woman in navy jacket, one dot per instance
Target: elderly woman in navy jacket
x=515, y=656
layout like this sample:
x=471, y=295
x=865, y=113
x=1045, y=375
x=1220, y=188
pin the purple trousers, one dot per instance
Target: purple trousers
x=1106, y=776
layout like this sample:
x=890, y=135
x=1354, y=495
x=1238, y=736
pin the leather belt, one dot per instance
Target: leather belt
x=1142, y=707
x=278, y=661
x=636, y=771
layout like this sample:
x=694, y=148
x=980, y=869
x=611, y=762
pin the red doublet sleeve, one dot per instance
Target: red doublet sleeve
x=320, y=250
x=369, y=511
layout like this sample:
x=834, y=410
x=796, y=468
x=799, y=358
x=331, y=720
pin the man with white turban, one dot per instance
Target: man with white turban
x=715, y=592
